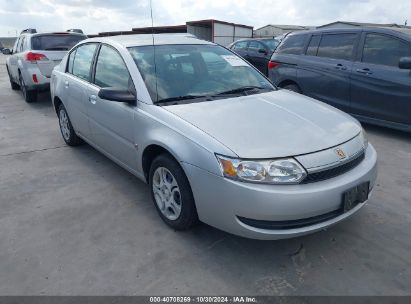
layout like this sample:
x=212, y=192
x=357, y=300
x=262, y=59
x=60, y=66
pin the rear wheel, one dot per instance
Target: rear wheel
x=29, y=95
x=14, y=86
x=171, y=193
x=292, y=87
x=66, y=128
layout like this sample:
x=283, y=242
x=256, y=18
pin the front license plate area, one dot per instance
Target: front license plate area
x=356, y=195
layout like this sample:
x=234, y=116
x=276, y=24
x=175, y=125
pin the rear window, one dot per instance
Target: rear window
x=293, y=44
x=61, y=42
x=337, y=46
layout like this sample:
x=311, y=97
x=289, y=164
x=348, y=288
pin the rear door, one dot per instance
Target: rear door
x=13, y=60
x=379, y=88
x=324, y=73
x=54, y=47
x=258, y=55
x=111, y=122
x=77, y=78
x=240, y=48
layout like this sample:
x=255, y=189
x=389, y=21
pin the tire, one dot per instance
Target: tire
x=14, y=86
x=177, y=193
x=292, y=87
x=29, y=95
x=66, y=128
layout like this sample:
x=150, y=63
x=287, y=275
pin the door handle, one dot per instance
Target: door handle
x=92, y=99
x=341, y=67
x=365, y=71
x=66, y=84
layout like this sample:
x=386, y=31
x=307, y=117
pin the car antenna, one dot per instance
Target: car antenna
x=154, y=47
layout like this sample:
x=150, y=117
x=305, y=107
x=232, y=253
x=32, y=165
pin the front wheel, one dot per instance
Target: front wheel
x=67, y=131
x=14, y=86
x=171, y=193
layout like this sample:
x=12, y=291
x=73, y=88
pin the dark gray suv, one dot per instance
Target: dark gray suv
x=365, y=72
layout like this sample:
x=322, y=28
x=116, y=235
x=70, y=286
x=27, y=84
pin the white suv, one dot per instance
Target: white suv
x=33, y=58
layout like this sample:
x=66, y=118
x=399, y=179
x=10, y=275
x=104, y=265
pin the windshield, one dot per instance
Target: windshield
x=272, y=43
x=56, y=42
x=182, y=72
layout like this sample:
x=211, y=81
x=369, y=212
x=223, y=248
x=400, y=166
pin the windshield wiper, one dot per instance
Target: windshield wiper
x=242, y=90
x=176, y=99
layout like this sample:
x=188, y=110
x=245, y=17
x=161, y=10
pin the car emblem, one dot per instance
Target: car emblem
x=340, y=153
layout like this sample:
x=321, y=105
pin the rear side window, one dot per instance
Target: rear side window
x=384, y=50
x=82, y=61
x=255, y=46
x=292, y=45
x=240, y=45
x=337, y=46
x=313, y=45
x=56, y=42
x=111, y=71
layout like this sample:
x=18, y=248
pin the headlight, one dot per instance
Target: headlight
x=364, y=138
x=276, y=171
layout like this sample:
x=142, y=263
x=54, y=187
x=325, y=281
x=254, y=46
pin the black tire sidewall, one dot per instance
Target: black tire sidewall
x=292, y=87
x=73, y=139
x=188, y=216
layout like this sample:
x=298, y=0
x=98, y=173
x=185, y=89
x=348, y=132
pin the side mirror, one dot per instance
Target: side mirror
x=263, y=51
x=6, y=51
x=405, y=63
x=119, y=95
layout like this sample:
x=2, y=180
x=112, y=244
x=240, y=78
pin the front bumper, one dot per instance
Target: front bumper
x=220, y=201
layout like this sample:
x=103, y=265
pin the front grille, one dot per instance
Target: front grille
x=333, y=172
x=282, y=225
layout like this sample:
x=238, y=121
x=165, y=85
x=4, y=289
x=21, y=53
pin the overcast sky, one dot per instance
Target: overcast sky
x=95, y=16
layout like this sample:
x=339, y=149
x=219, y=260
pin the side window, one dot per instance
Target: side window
x=83, y=60
x=240, y=45
x=70, y=61
x=111, y=71
x=293, y=44
x=313, y=45
x=337, y=46
x=21, y=46
x=16, y=45
x=255, y=46
x=384, y=50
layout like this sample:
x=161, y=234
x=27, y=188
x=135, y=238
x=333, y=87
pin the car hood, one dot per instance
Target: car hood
x=275, y=124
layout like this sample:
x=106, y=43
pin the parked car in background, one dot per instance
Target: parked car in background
x=33, y=58
x=6, y=51
x=257, y=51
x=365, y=72
x=214, y=139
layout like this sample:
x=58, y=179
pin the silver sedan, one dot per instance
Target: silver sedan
x=213, y=138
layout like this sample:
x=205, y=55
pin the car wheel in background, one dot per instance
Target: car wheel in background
x=29, y=95
x=14, y=86
x=292, y=87
x=67, y=131
x=171, y=193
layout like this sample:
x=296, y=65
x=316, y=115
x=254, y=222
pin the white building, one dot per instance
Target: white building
x=272, y=30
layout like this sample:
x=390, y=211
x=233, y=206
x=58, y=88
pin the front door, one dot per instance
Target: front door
x=112, y=122
x=379, y=88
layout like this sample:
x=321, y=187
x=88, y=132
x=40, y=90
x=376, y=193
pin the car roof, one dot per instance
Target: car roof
x=404, y=33
x=149, y=39
x=52, y=33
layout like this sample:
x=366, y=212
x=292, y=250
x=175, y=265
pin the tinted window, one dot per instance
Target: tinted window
x=60, y=42
x=177, y=69
x=381, y=49
x=82, y=61
x=240, y=45
x=313, y=45
x=255, y=46
x=70, y=62
x=272, y=43
x=111, y=70
x=337, y=46
x=292, y=45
